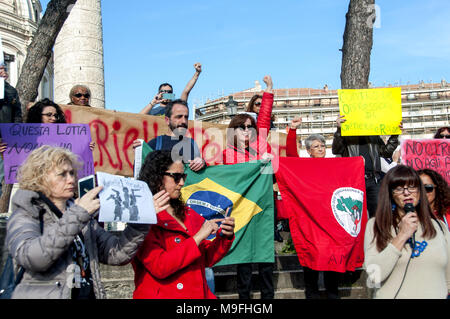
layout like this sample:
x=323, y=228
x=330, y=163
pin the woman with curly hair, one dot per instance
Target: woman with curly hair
x=46, y=111
x=171, y=262
x=438, y=193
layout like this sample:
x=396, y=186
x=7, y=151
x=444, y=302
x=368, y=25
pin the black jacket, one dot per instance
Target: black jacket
x=348, y=146
x=10, y=108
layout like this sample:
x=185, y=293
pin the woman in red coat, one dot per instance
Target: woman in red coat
x=171, y=262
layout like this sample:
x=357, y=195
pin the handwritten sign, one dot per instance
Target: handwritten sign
x=371, y=111
x=23, y=138
x=427, y=153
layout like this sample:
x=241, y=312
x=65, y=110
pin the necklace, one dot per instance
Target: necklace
x=418, y=248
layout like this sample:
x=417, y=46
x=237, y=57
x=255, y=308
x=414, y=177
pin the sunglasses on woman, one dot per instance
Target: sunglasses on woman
x=429, y=188
x=243, y=127
x=176, y=176
x=78, y=95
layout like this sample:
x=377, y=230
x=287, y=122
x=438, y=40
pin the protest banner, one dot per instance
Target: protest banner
x=125, y=200
x=370, y=111
x=427, y=153
x=114, y=133
x=23, y=138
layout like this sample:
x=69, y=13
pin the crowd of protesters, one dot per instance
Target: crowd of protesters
x=56, y=239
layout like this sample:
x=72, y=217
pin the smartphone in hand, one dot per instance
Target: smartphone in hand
x=85, y=184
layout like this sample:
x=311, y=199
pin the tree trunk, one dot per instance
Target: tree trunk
x=38, y=55
x=358, y=39
x=40, y=50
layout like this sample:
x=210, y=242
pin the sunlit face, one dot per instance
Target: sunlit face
x=403, y=195
x=81, y=97
x=429, y=185
x=178, y=119
x=170, y=184
x=49, y=114
x=317, y=149
x=257, y=105
x=61, y=182
x=244, y=133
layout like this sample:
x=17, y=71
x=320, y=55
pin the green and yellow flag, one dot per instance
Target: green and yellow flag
x=246, y=189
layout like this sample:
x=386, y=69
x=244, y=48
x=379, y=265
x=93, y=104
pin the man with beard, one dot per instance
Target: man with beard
x=176, y=117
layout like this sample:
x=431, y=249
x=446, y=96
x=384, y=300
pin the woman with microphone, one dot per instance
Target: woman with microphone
x=396, y=266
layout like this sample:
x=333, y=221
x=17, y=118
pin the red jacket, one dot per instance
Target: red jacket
x=291, y=143
x=232, y=155
x=170, y=265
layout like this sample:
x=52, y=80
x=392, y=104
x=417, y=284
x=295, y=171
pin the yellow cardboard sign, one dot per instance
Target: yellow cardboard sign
x=371, y=111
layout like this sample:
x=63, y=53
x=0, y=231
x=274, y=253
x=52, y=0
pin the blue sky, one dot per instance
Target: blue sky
x=296, y=42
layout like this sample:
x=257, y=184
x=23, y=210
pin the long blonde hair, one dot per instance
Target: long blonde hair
x=32, y=174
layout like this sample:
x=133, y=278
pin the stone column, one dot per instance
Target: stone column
x=78, y=53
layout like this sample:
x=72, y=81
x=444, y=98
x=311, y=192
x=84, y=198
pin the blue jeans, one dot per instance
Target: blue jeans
x=209, y=273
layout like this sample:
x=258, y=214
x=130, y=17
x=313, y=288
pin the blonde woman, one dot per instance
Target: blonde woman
x=55, y=238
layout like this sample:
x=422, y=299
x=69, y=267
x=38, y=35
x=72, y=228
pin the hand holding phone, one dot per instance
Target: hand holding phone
x=85, y=184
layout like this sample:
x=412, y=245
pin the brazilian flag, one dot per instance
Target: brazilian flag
x=246, y=189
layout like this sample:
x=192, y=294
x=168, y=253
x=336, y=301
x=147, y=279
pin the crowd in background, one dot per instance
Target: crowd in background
x=56, y=239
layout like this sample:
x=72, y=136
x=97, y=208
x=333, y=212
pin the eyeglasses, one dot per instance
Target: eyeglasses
x=78, y=95
x=444, y=136
x=55, y=115
x=315, y=147
x=166, y=91
x=257, y=103
x=176, y=176
x=400, y=190
x=429, y=188
x=243, y=127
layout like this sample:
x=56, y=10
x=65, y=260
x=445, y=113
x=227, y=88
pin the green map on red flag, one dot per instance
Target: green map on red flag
x=248, y=193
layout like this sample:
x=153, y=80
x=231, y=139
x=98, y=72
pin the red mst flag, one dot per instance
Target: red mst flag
x=326, y=205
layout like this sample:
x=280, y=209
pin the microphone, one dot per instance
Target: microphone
x=409, y=208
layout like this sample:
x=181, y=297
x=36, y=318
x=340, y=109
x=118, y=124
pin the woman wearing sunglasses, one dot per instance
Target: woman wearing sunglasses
x=254, y=105
x=407, y=253
x=443, y=132
x=171, y=262
x=47, y=112
x=246, y=138
x=246, y=141
x=80, y=95
x=438, y=194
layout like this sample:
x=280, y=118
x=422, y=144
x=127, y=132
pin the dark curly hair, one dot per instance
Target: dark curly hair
x=34, y=114
x=442, y=198
x=152, y=172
